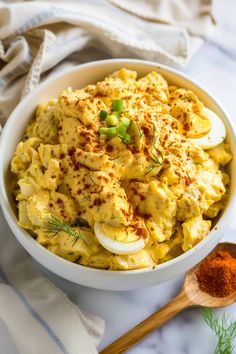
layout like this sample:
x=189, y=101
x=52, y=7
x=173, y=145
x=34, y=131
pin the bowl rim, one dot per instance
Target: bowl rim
x=9, y=213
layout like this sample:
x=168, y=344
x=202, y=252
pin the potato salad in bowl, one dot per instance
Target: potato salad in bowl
x=123, y=174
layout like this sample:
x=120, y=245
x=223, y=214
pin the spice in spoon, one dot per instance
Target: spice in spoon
x=217, y=274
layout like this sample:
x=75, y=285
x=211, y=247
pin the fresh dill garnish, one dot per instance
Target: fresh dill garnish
x=140, y=132
x=115, y=158
x=224, y=328
x=157, y=156
x=53, y=226
x=91, y=179
x=171, y=144
x=149, y=169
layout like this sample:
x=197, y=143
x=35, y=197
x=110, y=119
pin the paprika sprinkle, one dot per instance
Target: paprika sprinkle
x=217, y=274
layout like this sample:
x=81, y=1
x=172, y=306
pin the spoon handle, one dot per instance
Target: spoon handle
x=157, y=319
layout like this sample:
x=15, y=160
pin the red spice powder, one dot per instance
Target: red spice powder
x=217, y=274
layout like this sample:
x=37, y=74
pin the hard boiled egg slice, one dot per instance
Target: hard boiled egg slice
x=201, y=125
x=121, y=239
x=216, y=134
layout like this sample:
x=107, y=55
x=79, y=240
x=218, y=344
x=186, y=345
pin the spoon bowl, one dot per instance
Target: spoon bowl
x=198, y=297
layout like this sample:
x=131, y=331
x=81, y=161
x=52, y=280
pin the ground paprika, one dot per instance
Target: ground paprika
x=217, y=274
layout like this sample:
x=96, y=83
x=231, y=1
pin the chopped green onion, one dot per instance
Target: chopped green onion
x=103, y=114
x=103, y=136
x=125, y=122
x=126, y=139
x=103, y=130
x=117, y=105
x=111, y=120
x=111, y=133
x=117, y=114
x=121, y=130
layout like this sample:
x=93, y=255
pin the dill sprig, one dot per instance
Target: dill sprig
x=53, y=226
x=92, y=180
x=149, y=169
x=115, y=158
x=157, y=156
x=224, y=328
x=140, y=131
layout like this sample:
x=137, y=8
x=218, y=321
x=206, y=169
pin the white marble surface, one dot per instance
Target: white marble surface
x=214, y=66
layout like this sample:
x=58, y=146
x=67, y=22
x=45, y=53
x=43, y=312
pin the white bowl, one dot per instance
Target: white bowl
x=105, y=279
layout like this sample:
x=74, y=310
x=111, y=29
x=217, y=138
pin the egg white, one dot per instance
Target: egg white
x=215, y=136
x=117, y=247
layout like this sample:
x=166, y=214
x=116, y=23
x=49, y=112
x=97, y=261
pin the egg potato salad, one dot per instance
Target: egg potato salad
x=124, y=174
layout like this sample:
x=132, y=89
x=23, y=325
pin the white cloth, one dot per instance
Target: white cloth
x=40, y=318
x=38, y=39
x=36, y=36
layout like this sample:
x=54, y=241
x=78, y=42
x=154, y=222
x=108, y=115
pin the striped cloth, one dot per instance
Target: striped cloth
x=39, y=317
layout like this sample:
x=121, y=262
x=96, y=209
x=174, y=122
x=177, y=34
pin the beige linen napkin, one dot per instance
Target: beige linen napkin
x=195, y=15
x=38, y=36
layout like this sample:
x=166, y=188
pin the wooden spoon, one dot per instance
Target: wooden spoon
x=189, y=296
